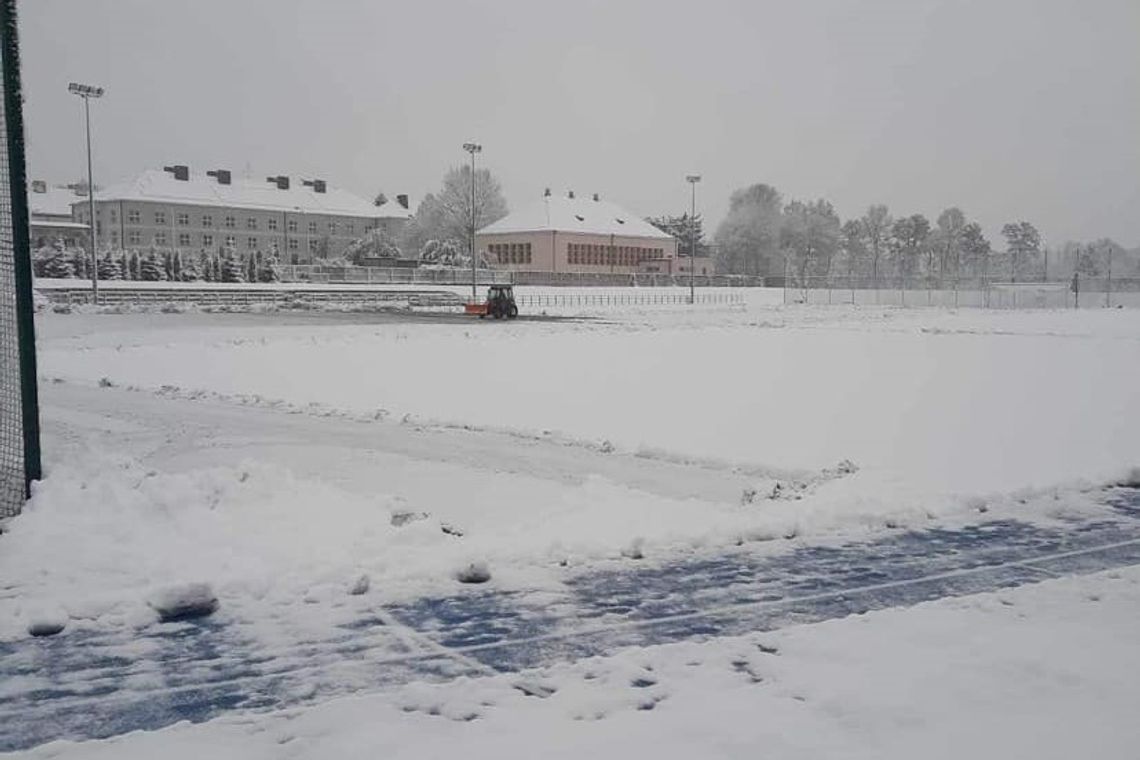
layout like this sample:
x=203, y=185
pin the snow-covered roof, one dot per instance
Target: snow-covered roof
x=53, y=201
x=586, y=215
x=202, y=190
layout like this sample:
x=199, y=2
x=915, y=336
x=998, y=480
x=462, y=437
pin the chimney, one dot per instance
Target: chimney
x=39, y=186
x=181, y=172
x=570, y=194
x=596, y=197
x=318, y=185
x=280, y=180
x=546, y=193
x=221, y=175
x=402, y=200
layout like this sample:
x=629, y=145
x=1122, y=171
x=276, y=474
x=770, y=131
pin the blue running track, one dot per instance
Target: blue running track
x=90, y=685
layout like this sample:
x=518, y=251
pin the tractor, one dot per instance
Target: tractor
x=500, y=303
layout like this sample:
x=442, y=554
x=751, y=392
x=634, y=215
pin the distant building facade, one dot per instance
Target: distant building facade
x=569, y=234
x=176, y=209
x=50, y=216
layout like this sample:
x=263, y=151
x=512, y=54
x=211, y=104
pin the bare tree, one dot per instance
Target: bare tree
x=948, y=240
x=748, y=240
x=1023, y=243
x=910, y=238
x=877, y=223
x=448, y=214
x=810, y=237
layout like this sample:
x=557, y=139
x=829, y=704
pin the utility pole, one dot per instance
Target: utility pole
x=87, y=92
x=473, y=148
x=693, y=179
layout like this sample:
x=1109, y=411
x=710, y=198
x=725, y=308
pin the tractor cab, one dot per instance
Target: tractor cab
x=500, y=303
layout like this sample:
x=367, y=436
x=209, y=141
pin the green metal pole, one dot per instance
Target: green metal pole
x=21, y=243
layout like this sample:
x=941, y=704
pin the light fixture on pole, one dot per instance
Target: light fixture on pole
x=87, y=92
x=693, y=179
x=473, y=148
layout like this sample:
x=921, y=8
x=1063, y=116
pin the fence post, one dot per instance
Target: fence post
x=1108, y=282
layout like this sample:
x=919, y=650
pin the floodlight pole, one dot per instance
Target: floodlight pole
x=473, y=148
x=693, y=179
x=87, y=92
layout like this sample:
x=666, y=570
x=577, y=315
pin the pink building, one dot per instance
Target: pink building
x=568, y=234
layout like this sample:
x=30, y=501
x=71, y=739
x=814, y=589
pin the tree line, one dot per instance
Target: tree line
x=762, y=235
x=158, y=265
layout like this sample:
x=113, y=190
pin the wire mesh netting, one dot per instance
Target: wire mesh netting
x=18, y=461
x=948, y=292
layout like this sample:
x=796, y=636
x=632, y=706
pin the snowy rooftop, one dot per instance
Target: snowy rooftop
x=53, y=201
x=202, y=190
x=585, y=215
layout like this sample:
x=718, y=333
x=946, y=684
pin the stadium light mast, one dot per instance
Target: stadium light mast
x=693, y=179
x=87, y=92
x=473, y=148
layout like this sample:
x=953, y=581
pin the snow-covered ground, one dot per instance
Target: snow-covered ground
x=1045, y=672
x=281, y=458
x=967, y=401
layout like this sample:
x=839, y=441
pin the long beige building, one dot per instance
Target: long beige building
x=176, y=208
x=569, y=234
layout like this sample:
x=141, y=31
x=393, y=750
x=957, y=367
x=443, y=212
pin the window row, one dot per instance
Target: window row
x=183, y=239
x=611, y=255
x=510, y=253
x=230, y=222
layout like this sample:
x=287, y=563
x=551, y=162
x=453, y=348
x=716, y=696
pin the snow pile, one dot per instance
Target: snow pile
x=112, y=542
x=184, y=602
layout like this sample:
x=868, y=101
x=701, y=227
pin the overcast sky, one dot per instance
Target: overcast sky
x=1011, y=109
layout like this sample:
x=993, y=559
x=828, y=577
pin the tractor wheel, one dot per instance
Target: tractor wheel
x=512, y=311
x=497, y=313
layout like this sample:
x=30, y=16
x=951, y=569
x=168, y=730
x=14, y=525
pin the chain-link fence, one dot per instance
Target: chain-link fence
x=19, y=426
x=945, y=292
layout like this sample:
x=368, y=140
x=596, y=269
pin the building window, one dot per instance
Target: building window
x=133, y=216
x=114, y=216
x=115, y=237
x=207, y=240
x=230, y=241
x=160, y=217
x=183, y=220
x=292, y=244
x=312, y=246
x=332, y=228
x=351, y=227
x=133, y=237
x=184, y=238
x=160, y=238
x=292, y=225
x=229, y=223
x=207, y=220
x=312, y=228
x=251, y=243
x=251, y=223
x=272, y=223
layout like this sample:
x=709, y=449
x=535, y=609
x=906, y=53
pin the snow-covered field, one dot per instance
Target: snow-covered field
x=281, y=458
